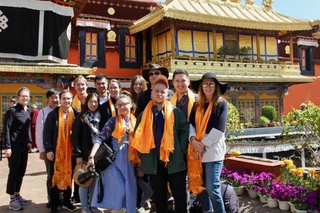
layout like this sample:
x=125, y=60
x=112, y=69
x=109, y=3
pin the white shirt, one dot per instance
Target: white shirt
x=42, y=116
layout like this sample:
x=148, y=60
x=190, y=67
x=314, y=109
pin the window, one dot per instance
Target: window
x=130, y=49
x=91, y=46
x=92, y=50
x=231, y=43
x=243, y=107
x=306, y=60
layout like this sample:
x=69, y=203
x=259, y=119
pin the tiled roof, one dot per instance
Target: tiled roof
x=223, y=13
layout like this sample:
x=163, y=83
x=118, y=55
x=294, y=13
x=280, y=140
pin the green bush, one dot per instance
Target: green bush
x=269, y=112
x=264, y=120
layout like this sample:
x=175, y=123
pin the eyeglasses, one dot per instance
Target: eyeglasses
x=122, y=105
x=205, y=84
x=154, y=73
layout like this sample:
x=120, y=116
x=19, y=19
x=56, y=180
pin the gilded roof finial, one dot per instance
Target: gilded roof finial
x=250, y=2
x=267, y=4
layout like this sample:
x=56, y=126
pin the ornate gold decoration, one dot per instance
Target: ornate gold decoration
x=250, y=2
x=267, y=4
x=111, y=11
x=111, y=35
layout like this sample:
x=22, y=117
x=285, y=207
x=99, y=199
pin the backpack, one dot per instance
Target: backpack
x=230, y=198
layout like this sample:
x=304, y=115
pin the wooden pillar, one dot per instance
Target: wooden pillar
x=154, y=46
x=214, y=39
x=291, y=47
x=144, y=47
x=173, y=43
x=258, y=46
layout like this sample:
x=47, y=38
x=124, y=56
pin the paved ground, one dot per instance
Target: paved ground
x=34, y=188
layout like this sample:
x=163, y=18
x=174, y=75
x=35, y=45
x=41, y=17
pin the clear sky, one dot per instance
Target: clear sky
x=305, y=9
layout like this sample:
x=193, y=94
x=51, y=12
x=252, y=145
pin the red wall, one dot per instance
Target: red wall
x=303, y=93
x=112, y=69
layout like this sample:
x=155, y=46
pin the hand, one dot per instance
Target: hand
x=29, y=146
x=50, y=156
x=196, y=155
x=42, y=155
x=8, y=153
x=198, y=146
x=140, y=174
x=90, y=162
x=79, y=161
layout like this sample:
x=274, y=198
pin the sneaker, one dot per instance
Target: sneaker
x=144, y=207
x=69, y=207
x=15, y=205
x=23, y=201
x=85, y=210
x=95, y=210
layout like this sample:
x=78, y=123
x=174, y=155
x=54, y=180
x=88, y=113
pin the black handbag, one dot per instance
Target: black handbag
x=105, y=156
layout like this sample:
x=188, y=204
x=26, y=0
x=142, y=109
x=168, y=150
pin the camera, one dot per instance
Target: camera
x=84, y=177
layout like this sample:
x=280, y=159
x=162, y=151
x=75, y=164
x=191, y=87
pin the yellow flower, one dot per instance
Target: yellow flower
x=311, y=171
x=235, y=153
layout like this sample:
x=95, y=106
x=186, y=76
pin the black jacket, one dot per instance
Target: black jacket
x=50, y=130
x=143, y=101
x=16, y=126
x=81, y=138
x=105, y=112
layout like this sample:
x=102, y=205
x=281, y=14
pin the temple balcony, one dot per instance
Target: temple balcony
x=234, y=70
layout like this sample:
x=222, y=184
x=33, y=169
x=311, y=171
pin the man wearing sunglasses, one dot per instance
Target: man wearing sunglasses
x=149, y=74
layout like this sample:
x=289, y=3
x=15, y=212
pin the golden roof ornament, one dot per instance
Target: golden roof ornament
x=250, y=2
x=267, y=4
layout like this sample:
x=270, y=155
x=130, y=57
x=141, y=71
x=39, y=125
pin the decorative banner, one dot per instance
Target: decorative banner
x=35, y=34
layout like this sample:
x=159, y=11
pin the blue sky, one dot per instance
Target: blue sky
x=305, y=9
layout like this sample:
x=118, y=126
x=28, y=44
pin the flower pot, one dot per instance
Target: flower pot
x=284, y=205
x=292, y=207
x=300, y=211
x=272, y=203
x=252, y=193
x=239, y=190
x=263, y=199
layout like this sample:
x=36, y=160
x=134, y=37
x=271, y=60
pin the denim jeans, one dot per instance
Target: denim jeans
x=211, y=199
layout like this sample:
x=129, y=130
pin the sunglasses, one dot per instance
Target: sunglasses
x=154, y=73
x=205, y=84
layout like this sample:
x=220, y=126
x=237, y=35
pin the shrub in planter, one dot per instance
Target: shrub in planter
x=269, y=112
x=264, y=121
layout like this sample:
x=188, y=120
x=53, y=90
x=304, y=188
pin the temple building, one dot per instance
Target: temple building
x=237, y=41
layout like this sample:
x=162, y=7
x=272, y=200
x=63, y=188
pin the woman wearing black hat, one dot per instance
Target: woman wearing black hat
x=207, y=146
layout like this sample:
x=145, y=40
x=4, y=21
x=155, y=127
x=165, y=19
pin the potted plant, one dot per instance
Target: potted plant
x=264, y=121
x=269, y=112
x=235, y=179
x=245, y=50
x=223, y=50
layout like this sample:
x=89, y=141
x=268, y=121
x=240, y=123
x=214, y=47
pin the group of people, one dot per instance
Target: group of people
x=160, y=137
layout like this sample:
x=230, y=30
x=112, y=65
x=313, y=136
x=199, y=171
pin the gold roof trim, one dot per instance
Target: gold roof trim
x=45, y=68
x=221, y=13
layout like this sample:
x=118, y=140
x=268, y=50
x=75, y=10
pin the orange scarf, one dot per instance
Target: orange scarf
x=113, y=109
x=191, y=100
x=119, y=131
x=143, y=139
x=76, y=103
x=194, y=165
x=62, y=164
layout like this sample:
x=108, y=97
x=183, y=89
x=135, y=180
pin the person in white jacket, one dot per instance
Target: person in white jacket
x=207, y=147
x=53, y=101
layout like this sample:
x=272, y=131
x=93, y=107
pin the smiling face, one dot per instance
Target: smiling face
x=66, y=100
x=114, y=89
x=23, y=97
x=81, y=87
x=181, y=83
x=101, y=86
x=124, y=106
x=208, y=88
x=53, y=101
x=93, y=104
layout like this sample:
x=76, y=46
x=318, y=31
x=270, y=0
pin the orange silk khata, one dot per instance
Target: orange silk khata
x=62, y=163
x=76, y=103
x=113, y=109
x=194, y=165
x=143, y=139
x=120, y=129
x=174, y=99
